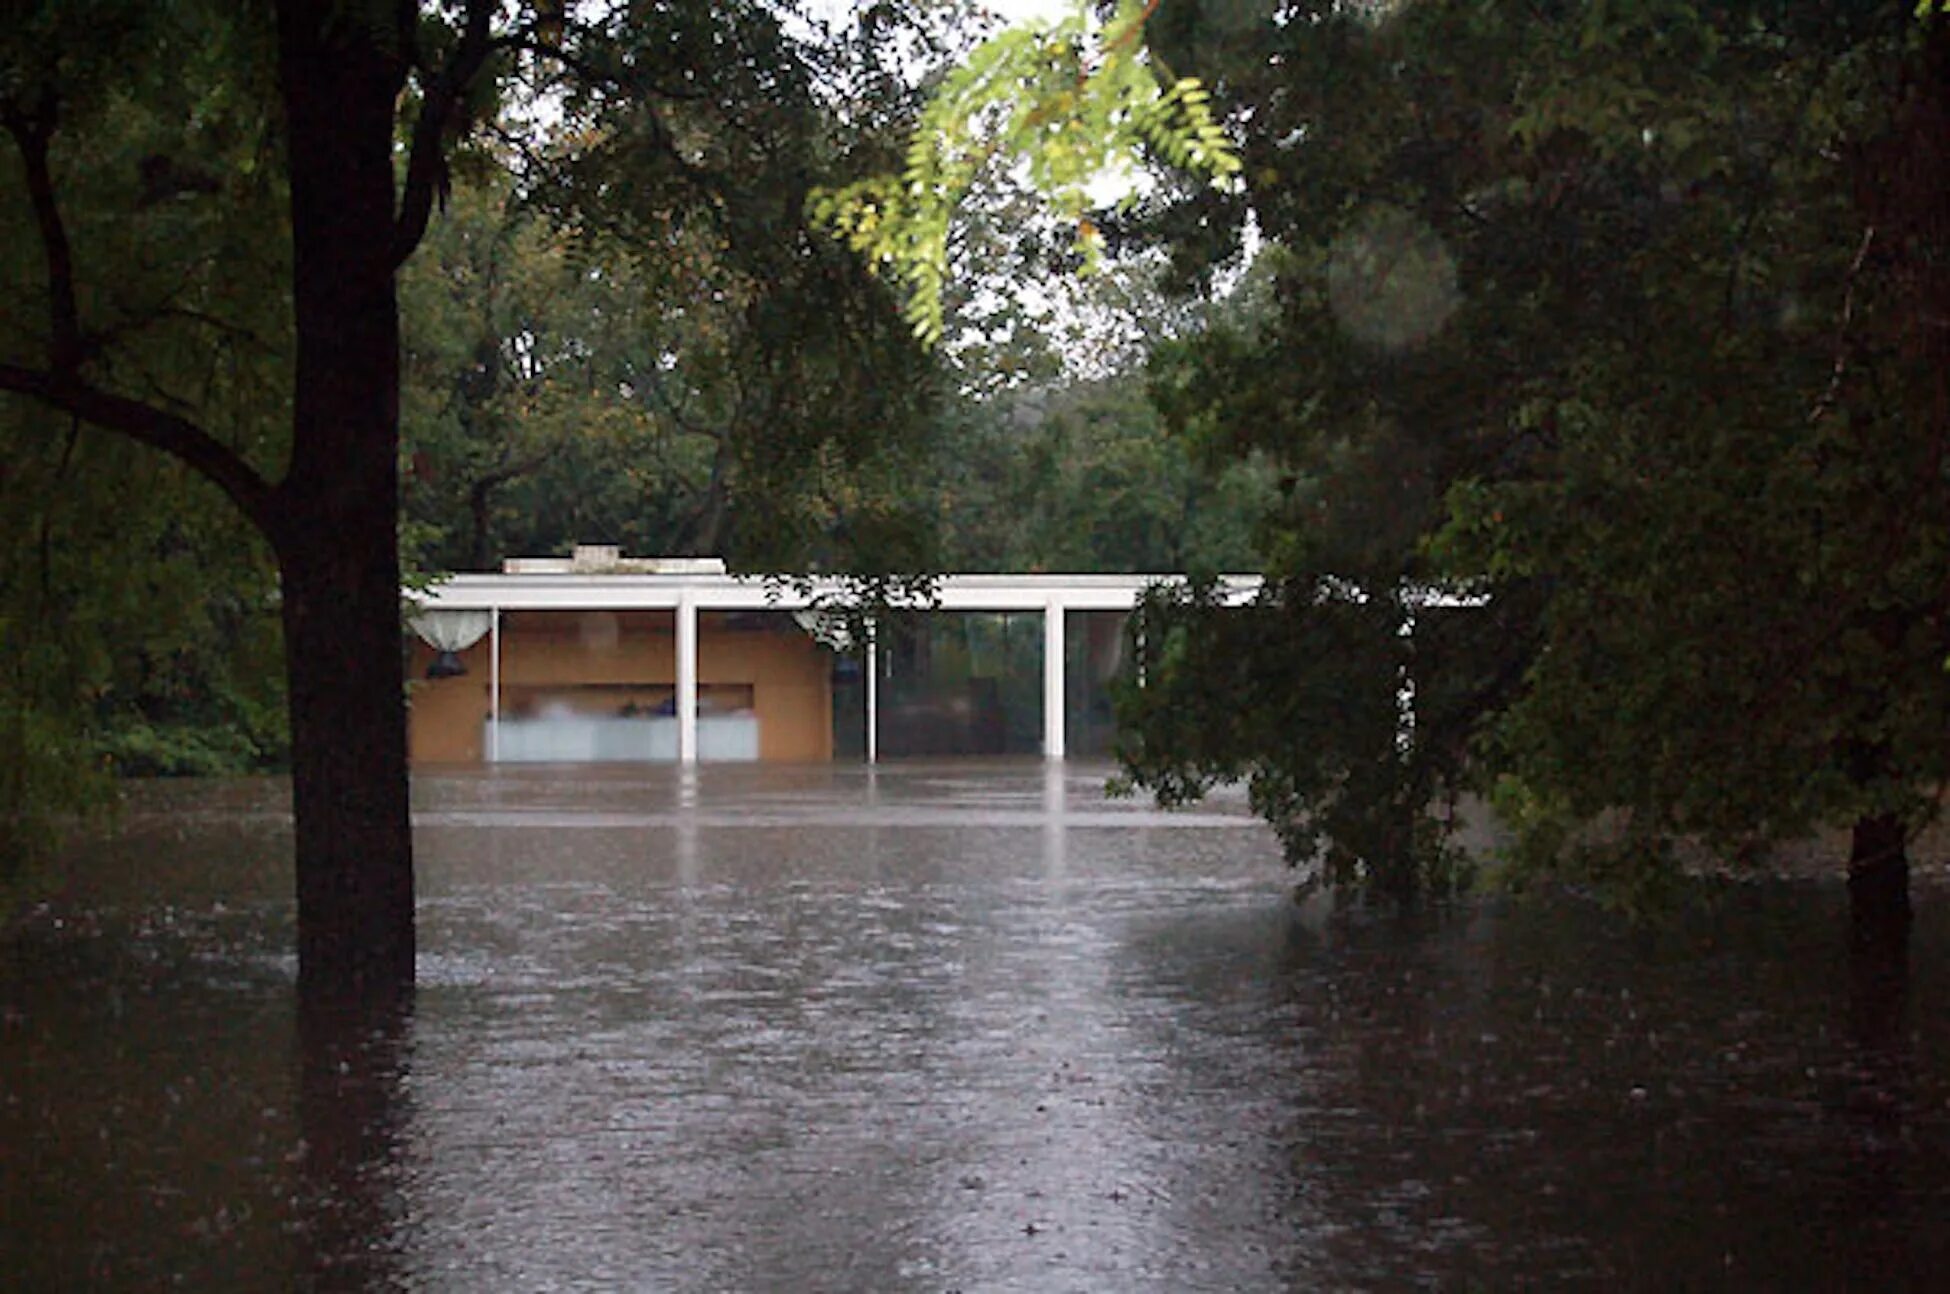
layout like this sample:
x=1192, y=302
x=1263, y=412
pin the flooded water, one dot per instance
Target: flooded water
x=951, y=1027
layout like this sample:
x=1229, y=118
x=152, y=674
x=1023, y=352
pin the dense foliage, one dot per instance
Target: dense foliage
x=137, y=622
x=666, y=389
x=1620, y=316
x=1082, y=476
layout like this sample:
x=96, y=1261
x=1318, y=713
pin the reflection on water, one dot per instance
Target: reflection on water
x=929, y=1028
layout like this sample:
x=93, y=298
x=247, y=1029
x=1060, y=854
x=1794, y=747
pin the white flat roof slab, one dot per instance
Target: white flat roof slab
x=554, y=591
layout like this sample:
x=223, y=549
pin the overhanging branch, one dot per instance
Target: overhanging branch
x=176, y=436
x=60, y=386
x=33, y=129
x=428, y=163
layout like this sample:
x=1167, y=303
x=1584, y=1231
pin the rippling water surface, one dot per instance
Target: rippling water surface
x=947, y=1027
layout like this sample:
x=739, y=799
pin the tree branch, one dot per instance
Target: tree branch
x=176, y=436
x=1840, y=367
x=32, y=129
x=60, y=386
x=427, y=166
x=587, y=72
x=512, y=469
x=678, y=414
x=519, y=145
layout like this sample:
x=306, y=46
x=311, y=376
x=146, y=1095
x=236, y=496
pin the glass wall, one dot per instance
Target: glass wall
x=849, y=706
x=971, y=683
x=1096, y=653
x=961, y=683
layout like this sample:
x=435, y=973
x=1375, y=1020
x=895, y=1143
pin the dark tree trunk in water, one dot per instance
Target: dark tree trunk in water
x=1904, y=203
x=351, y=1108
x=1879, y=921
x=348, y=766
x=1878, y=880
x=335, y=518
x=1878, y=1086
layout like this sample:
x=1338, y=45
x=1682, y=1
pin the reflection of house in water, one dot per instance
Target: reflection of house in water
x=601, y=657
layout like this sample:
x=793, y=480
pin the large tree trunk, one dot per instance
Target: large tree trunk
x=351, y=1108
x=348, y=761
x=1878, y=875
x=1904, y=202
x=1879, y=921
x=337, y=510
x=1878, y=1082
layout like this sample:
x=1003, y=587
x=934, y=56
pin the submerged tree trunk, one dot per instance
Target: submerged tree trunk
x=1878, y=1087
x=1878, y=876
x=1879, y=921
x=351, y=1107
x=348, y=762
x=1878, y=1078
x=335, y=521
x=1904, y=203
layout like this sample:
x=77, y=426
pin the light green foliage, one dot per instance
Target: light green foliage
x=1070, y=103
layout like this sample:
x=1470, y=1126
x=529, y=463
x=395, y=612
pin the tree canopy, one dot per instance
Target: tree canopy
x=210, y=212
x=133, y=609
x=1617, y=315
x=644, y=381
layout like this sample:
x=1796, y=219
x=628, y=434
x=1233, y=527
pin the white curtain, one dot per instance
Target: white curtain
x=453, y=631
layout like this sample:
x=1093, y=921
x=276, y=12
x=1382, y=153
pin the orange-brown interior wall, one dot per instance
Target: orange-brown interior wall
x=788, y=675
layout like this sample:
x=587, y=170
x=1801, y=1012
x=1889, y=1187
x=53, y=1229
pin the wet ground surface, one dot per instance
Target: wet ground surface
x=939, y=1028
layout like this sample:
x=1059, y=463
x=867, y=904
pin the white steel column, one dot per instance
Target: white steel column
x=686, y=678
x=1053, y=679
x=873, y=694
x=494, y=685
